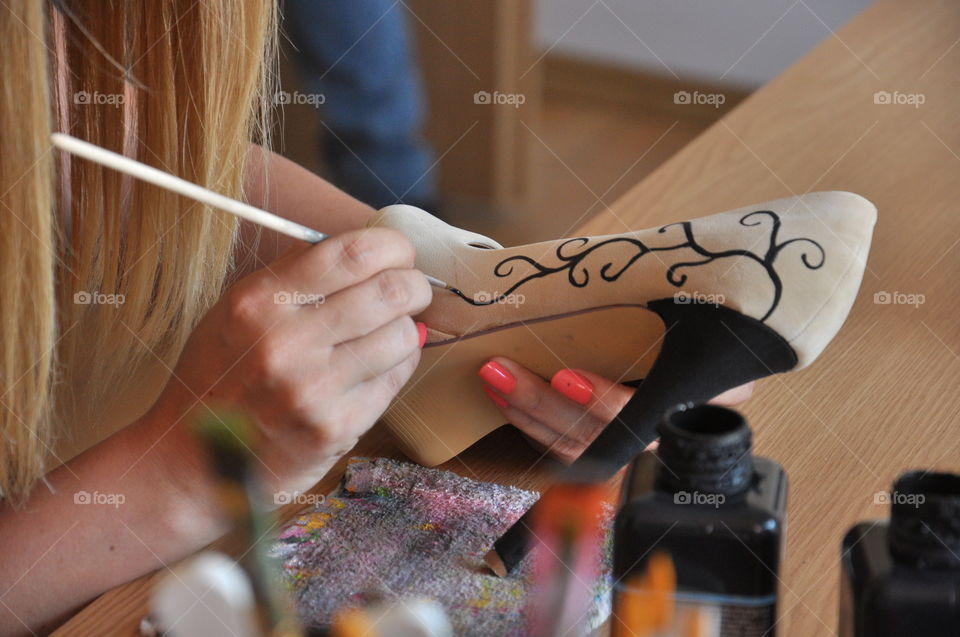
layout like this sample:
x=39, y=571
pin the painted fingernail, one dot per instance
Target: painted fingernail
x=494, y=396
x=422, y=331
x=573, y=386
x=500, y=378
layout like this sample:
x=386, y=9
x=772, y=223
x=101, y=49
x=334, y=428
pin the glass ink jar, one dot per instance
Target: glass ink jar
x=902, y=577
x=718, y=511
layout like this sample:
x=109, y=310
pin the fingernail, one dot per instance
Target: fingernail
x=500, y=378
x=494, y=396
x=422, y=331
x=573, y=386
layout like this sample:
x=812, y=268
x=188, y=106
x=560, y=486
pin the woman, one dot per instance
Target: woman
x=125, y=308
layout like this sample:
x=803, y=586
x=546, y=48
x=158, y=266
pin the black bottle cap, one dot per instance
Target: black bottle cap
x=925, y=519
x=705, y=449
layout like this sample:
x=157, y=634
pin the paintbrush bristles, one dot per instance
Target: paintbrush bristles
x=494, y=563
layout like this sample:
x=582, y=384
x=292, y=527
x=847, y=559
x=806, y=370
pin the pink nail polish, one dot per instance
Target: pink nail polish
x=573, y=386
x=422, y=331
x=495, y=374
x=495, y=397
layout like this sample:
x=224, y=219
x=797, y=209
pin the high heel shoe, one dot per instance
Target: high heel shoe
x=694, y=308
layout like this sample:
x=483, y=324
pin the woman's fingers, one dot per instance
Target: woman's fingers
x=548, y=417
x=609, y=398
x=339, y=262
x=600, y=396
x=526, y=392
x=539, y=434
x=360, y=309
x=368, y=357
x=376, y=394
x=568, y=413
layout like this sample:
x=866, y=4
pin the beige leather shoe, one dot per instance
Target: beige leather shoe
x=693, y=308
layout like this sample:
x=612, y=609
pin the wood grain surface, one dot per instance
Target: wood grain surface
x=885, y=396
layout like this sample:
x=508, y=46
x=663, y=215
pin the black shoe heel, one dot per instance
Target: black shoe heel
x=707, y=349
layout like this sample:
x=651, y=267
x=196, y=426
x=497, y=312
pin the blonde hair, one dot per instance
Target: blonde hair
x=100, y=272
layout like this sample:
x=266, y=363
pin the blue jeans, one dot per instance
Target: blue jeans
x=358, y=55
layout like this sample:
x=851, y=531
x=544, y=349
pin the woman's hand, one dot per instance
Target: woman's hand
x=566, y=414
x=313, y=347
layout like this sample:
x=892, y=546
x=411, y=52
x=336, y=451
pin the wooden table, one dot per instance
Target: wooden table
x=885, y=396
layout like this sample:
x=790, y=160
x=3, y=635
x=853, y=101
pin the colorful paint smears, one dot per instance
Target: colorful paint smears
x=397, y=530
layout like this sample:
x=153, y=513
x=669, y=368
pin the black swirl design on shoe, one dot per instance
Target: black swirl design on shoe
x=571, y=255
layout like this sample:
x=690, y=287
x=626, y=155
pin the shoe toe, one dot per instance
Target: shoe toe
x=825, y=239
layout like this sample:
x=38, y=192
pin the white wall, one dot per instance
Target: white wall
x=740, y=42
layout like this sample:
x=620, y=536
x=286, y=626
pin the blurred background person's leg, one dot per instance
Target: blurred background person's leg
x=359, y=55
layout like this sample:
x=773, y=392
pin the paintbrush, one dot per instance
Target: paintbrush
x=568, y=534
x=227, y=437
x=512, y=547
x=645, y=605
x=183, y=187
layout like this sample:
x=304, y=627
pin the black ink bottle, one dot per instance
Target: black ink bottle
x=902, y=577
x=718, y=511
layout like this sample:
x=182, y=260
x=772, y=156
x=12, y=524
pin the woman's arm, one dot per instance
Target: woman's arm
x=282, y=187
x=313, y=378
x=136, y=502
